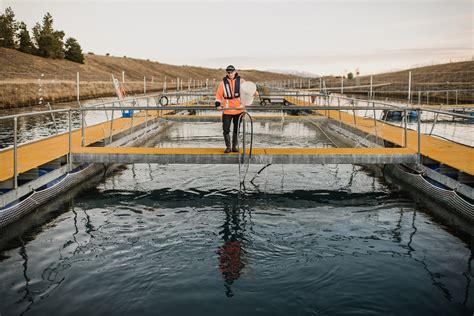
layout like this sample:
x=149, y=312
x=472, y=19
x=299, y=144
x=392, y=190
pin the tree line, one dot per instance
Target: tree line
x=46, y=41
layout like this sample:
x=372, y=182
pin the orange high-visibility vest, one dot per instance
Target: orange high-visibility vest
x=229, y=102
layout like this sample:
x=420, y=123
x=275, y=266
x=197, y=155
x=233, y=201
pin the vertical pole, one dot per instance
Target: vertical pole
x=144, y=85
x=405, y=134
x=354, y=112
x=342, y=85
x=15, y=153
x=123, y=76
x=146, y=121
x=82, y=128
x=243, y=139
x=131, y=120
x=371, y=90
x=77, y=87
x=447, y=97
x=375, y=119
x=164, y=86
x=409, y=86
x=339, y=105
x=112, y=124
x=419, y=97
x=69, y=156
x=418, y=115
x=456, y=97
x=375, y=114
x=53, y=118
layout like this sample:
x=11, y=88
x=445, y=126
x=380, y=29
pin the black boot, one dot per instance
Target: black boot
x=235, y=147
x=227, y=143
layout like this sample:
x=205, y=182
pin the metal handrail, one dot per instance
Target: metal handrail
x=255, y=108
x=177, y=108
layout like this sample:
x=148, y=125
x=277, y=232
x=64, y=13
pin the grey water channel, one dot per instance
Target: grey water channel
x=186, y=239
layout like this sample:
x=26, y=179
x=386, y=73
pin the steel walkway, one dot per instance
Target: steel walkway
x=259, y=155
x=457, y=156
x=38, y=153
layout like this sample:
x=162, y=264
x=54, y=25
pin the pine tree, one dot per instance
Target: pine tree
x=73, y=51
x=25, y=44
x=8, y=28
x=49, y=42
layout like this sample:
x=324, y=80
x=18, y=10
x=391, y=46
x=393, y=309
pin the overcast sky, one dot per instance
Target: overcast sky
x=322, y=37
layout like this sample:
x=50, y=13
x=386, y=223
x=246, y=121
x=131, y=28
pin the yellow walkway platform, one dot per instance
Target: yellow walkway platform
x=40, y=152
x=448, y=153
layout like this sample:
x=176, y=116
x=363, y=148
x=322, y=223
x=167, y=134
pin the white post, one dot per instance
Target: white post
x=371, y=94
x=123, y=76
x=164, y=85
x=77, y=87
x=144, y=85
x=15, y=153
x=342, y=84
x=409, y=86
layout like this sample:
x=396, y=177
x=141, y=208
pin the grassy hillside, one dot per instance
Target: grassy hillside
x=429, y=83
x=24, y=79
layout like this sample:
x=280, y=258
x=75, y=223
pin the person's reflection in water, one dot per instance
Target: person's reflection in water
x=232, y=253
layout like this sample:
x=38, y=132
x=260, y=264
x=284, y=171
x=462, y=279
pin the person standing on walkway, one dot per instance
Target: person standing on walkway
x=228, y=101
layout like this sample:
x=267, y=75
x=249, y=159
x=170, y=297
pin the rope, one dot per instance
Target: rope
x=242, y=154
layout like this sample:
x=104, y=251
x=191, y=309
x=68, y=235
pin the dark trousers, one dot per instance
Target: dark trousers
x=227, y=119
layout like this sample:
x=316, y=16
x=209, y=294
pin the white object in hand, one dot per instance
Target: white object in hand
x=247, y=92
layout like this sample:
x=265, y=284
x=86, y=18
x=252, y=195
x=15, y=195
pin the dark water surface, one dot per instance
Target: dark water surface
x=182, y=240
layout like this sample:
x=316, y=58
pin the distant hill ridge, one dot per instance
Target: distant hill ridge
x=23, y=75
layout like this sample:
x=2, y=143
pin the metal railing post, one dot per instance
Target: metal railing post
x=409, y=86
x=82, y=128
x=112, y=124
x=418, y=114
x=15, y=153
x=339, y=106
x=69, y=156
x=375, y=121
x=146, y=121
x=134, y=102
x=354, y=114
x=405, y=140
x=78, y=94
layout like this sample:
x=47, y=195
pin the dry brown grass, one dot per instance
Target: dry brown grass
x=22, y=76
x=450, y=76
